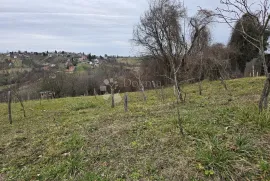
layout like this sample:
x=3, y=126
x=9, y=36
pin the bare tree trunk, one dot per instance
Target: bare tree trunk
x=9, y=107
x=162, y=94
x=263, y=103
x=200, y=76
x=95, y=92
x=126, y=102
x=155, y=87
x=142, y=90
x=21, y=102
x=265, y=92
x=112, y=94
x=22, y=105
x=223, y=83
x=178, y=98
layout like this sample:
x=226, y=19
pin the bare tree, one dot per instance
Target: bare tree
x=14, y=89
x=113, y=86
x=138, y=75
x=20, y=100
x=232, y=12
x=201, y=37
x=162, y=33
x=111, y=72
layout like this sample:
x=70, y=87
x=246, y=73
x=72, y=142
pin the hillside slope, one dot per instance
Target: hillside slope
x=84, y=139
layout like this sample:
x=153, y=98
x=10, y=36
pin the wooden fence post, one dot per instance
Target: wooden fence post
x=174, y=90
x=126, y=102
x=9, y=107
x=95, y=92
x=162, y=94
x=112, y=94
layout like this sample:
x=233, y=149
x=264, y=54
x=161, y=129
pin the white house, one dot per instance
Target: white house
x=96, y=61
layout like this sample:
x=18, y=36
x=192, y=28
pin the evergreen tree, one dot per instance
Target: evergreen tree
x=243, y=49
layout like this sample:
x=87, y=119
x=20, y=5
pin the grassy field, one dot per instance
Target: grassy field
x=83, y=67
x=84, y=139
x=130, y=61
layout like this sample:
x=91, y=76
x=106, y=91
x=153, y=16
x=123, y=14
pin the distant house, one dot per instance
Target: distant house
x=83, y=58
x=255, y=66
x=71, y=69
x=96, y=61
x=15, y=56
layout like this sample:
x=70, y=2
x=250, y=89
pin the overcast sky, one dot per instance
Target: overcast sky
x=96, y=26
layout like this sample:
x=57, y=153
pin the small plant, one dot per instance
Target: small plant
x=134, y=144
x=207, y=172
x=135, y=176
x=264, y=167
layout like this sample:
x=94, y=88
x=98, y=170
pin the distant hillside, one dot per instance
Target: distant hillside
x=27, y=72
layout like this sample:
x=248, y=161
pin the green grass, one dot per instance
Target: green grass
x=83, y=67
x=85, y=139
x=131, y=61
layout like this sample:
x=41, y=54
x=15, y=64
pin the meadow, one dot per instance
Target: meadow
x=83, y=138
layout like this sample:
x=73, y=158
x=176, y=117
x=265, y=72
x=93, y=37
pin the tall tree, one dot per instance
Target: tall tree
x=89, y=57
x=162, y=34
x=243, y=49
x=232, y=12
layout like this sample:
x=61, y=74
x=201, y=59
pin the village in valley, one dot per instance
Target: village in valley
x=29, y=72
x=50, y=60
